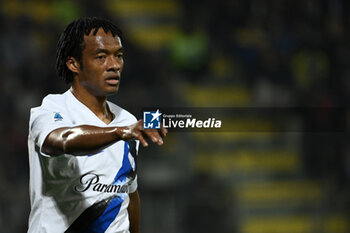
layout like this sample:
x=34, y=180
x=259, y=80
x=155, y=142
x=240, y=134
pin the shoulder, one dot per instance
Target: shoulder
x=54, y=100
x=52, y=103
x=123, y=117
x=51, y=112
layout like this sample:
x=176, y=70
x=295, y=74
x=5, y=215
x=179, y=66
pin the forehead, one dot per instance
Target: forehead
x=101, y=40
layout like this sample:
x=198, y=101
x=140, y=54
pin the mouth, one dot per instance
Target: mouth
x=113, y=81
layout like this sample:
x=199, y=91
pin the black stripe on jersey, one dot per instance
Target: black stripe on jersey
x=88, y=217
x=133, y=152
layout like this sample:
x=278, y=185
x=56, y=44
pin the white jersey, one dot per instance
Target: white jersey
x=79, y=193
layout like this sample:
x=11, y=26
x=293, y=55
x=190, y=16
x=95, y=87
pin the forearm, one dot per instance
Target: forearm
x=134, y=212
x=87, y=139
x=80, y=140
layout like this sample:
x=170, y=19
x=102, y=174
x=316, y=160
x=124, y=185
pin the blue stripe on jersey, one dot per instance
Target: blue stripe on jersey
x=101, y=224
x=126, y=167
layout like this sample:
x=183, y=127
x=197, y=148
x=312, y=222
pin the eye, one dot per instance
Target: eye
x=119, y=55
x=101, y=57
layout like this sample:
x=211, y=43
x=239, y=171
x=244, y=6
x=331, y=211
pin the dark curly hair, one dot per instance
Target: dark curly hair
x=71, y=42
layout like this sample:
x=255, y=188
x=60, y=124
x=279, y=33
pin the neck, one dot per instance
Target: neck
x=97, y=104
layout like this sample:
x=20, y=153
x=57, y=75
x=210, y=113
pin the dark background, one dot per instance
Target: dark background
x=234, y=53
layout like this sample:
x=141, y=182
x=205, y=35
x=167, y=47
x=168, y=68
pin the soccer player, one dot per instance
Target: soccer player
x=83, y=148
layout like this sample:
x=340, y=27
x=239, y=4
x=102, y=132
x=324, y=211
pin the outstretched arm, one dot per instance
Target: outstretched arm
x=87, y=139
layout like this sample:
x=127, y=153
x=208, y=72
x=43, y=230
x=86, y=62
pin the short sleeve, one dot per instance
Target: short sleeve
x=43, y=122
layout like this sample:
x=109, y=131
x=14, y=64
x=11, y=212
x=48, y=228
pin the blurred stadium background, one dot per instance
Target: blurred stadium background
x=233, y=53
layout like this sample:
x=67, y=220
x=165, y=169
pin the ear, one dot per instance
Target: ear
x=73, y=65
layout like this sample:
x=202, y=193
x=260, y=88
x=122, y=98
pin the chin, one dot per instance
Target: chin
x=112, y=91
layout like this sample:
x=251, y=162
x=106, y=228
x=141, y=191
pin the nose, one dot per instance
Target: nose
x=114, y=64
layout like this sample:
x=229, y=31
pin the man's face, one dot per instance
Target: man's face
x=102, y=63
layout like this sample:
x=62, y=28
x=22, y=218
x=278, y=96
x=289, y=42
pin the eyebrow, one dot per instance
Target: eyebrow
x=99, y=50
